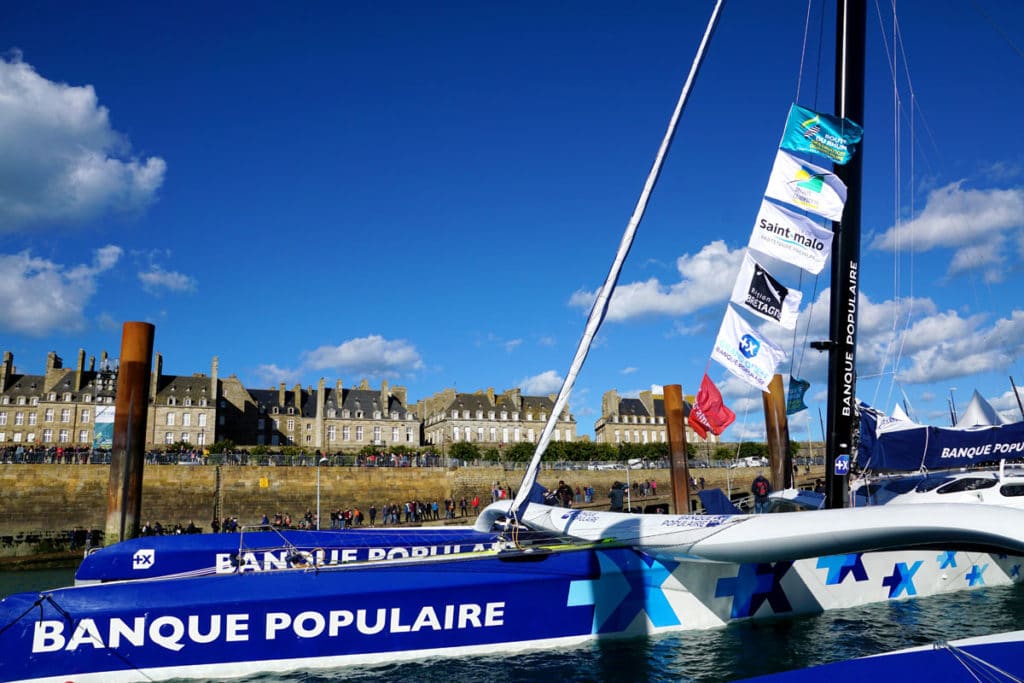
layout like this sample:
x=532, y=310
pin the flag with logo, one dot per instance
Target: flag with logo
x=795, y=400
x=806, y=186
x=745, y=352
x=830, y=136
x=758, y=292
x=709, y=413
x=791, y=237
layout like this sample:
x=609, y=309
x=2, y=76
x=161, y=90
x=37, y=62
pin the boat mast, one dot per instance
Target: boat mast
x=851, y=19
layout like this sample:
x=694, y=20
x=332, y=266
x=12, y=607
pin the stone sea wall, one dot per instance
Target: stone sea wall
x=43, y=504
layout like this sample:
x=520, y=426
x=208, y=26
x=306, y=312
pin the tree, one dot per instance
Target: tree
x=464, y=451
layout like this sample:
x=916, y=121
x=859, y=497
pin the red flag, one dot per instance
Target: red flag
x=709, y=414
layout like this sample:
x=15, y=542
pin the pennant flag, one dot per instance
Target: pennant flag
x=795, y=401
x=807, y=186
x=764, y=296
x=790, y=237
x=709, y=413
x=829, y=136
x=745, y=352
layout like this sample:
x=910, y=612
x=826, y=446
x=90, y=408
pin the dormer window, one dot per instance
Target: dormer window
x=529, y=417
x=188, y=402
x=67, y=397
x=275, y=410
x=345, y=414
x=332, y=413
x=172, y=401
x=34, y=401
x=376, y=415
x=52, y=396
x=479, y=414
x=291, y=411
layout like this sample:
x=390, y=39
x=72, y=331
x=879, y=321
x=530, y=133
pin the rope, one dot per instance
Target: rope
x=977, y=667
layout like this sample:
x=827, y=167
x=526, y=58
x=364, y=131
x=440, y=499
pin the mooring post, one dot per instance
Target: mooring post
x=777, y=431
x=680, y=471
x=128, y=451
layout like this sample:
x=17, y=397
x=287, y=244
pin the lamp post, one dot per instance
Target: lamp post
x=321, y=461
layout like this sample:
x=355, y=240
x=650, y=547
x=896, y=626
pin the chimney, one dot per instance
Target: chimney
x=92, y=363
x=78, y=371
x=214, y=372
x=298, y=398
x=402, y=395
x=490, y=395
x=320, y=400
x=384, y=398
x=6, y=368
x=158, y=369
x=280, y=396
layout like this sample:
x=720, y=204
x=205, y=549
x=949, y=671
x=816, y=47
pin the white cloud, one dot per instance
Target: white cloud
x=156, y=279
x=60, y=159
x=548, y=382
x=41, y=296
x=374, y=356
x=628, y=371
x=962, y=219
x=513, y=344
x=706, y=279
x=272, y=375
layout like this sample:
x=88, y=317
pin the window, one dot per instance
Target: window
x=186, y=419
x=67, y=397
x=3, y=436
x=515, y=416
x=186, y=437
x=21, y=400
x=332, y=413
x=47, y=435
x=346, y=434
x=394, y=434
x=202, y=438
x=408, y=435
x=494, y=434
x=331, y=433
x=469, y=434
x=172, y=401
x=479, y=433
x=202, y=419
x=170, y=419
x=465, y=414
x=65, y=436
x=504, y=434
x=345, y=414
x=359, y=433
x=83, y=436
x=261, y=424
x=376, y=434
x=291, y=425
x=490, y=414
x=376, y=415
x=87, y=398
x=455, y=415
x=529, y=434
x=276, y=423
x=19, y=419
x=84, y=415
x=65, y=415
x=6, y=400
x=479, y=414
x=516, y=435
x=32, y=419
x=188, y=402
x=52, y=396
x=529, y=417
x=3, y=419
x=504, y=415
x=34, y=401
x=48, y=415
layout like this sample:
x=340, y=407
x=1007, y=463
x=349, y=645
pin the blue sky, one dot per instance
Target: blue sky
x=431, y=193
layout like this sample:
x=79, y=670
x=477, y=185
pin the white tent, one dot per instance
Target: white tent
x=980, y=413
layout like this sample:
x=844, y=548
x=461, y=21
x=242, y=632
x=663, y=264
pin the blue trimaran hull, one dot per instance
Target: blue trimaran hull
x=276, y=619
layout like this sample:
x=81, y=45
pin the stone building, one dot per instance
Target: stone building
x=57, y=408
x=64, y=407
x=638, y=420
x=490, y=420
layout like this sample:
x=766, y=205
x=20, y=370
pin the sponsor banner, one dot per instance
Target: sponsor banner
x=795, y=402
x=830, y=136
x=807, y=186
x=103, y=428
x=745, y=352
x=759, y=293
x=790, y=237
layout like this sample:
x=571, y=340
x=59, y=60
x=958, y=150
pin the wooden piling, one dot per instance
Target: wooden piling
x=680, y=471
x=128, y=451
x=777, y=434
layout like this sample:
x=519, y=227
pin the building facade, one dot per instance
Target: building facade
x=74, y=408
x=638, y=420
x=491, y=420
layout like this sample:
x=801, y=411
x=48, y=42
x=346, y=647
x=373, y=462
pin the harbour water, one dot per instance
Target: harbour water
x=737, y=651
